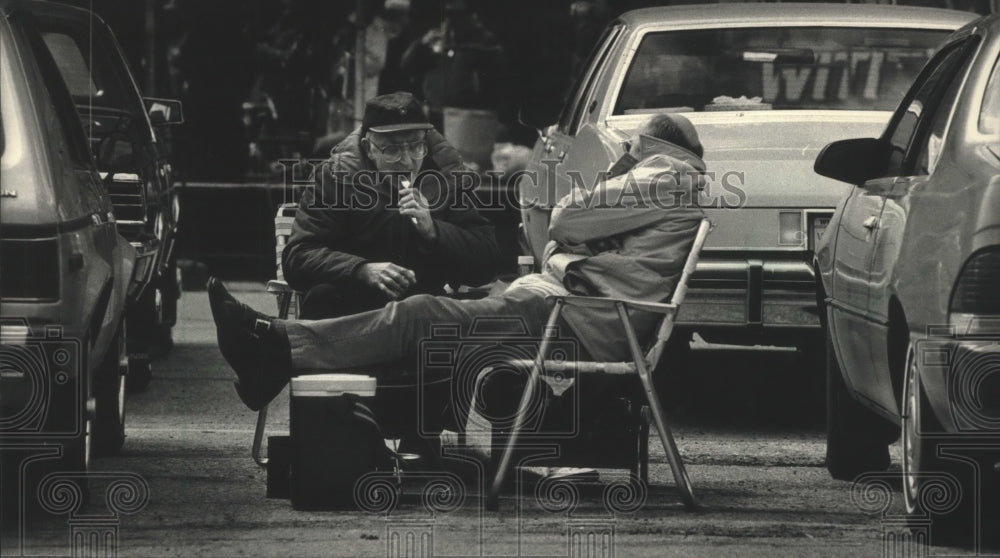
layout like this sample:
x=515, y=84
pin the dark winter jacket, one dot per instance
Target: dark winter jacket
x=348, y=219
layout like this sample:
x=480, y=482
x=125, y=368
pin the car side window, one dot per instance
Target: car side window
x=569, y=120
x=929, y=149
x=919, y=106
x=989, y=115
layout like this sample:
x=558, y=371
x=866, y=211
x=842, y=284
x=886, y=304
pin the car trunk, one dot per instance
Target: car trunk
x=761, y=167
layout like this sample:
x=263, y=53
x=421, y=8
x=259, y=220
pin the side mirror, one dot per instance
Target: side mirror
x=164, y=111
x=115, y=153
x=854, y=161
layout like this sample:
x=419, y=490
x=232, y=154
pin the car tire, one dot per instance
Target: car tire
x=170, y=287
x=937, y=492
x=167, y=294
x=147, y=334
x=109, y=393
x=857, y=440
x=140, y=373
x=811, y=382
x=673, y=379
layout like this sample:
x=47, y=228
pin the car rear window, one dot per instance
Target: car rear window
x=12, y=119
x=839, y=68
x=91, y=80
x=72, y=65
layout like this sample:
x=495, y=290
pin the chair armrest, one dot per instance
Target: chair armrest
x=604, y=302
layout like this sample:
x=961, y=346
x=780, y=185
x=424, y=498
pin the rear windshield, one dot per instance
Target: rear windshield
x=775, y=68
x=96, y=79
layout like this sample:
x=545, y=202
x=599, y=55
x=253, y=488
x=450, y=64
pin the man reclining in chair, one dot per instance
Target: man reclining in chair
x=628, y=238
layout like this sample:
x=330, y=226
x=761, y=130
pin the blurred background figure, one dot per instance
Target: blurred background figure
x=214, y=64
x=387, y=35
x=459, y=64
x=289, y=102
x=386, y=39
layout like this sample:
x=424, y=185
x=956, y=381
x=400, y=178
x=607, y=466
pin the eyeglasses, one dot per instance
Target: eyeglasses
x=393, y=152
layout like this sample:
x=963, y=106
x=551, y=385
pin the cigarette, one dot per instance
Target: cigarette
x=405, y=183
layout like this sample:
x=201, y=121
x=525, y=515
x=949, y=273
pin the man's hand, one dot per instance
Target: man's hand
x=391, y=279
x=413, y=204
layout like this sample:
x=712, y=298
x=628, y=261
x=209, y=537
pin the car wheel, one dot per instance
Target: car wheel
x=810, y=382
x=143, y=319
x=109, y=392
x=937, y=492
x=140, y=373
x=161, y=337
x=673, y=379
x=171, y=291
x=857, y=440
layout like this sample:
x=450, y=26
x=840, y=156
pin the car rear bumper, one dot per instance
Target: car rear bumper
x=751, y=293
x=961, y=377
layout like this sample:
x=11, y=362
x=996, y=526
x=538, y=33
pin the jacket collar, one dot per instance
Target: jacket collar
x=650, y=147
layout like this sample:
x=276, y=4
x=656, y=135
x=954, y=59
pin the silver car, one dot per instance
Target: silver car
x=910, y=267
x=767, y=86
x=64, y=274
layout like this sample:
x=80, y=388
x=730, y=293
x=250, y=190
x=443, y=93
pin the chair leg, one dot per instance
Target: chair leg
x=523, y=408
x=491, y=467
x=284, y=302
x=512, y=436
x=643, y=461
x=670, y=448
x=258, y=437
x=666, y=437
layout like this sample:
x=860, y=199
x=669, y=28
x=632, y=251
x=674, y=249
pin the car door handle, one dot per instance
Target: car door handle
x=870, y=223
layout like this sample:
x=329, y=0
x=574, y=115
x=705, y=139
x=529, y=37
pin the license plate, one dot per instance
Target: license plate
x=817, y=228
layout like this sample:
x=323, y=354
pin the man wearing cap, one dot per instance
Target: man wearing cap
x=380, y=226
x=627, y=238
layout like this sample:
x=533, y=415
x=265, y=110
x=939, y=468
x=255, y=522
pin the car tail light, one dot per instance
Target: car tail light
x=29, y=269
x=975, y=301
x=790, y=228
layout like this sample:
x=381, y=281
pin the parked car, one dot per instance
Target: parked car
x=766, y=85
x=64, y=272
x=135, y=166
x=909, y=269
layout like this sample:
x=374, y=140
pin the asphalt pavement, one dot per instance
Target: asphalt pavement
x=749, y=428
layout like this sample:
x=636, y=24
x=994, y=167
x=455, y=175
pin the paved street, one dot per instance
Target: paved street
x=756, y=461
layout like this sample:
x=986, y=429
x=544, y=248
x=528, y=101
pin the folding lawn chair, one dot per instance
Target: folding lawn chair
x=641, y=365
x=288, y=306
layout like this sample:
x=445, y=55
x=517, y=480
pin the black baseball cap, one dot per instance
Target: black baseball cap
x=394, y=112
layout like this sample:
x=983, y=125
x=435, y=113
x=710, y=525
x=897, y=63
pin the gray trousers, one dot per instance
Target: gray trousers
x=395, y=334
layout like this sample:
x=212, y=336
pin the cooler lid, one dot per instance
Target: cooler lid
x=329, y=385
